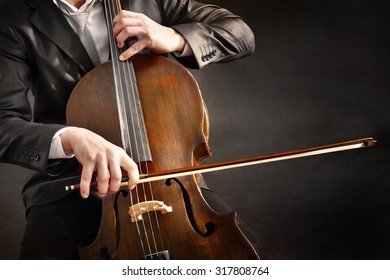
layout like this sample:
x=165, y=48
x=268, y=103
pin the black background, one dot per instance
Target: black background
x=319, y=75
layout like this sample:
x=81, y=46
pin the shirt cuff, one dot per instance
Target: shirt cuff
x=186, y=52
x=56, y=149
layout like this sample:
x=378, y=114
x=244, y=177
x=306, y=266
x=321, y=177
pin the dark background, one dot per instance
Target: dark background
x=319, y=76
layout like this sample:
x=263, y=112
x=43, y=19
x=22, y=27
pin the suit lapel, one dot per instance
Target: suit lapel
x=49, y=20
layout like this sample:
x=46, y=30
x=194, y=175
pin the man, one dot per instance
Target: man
x=43, y=50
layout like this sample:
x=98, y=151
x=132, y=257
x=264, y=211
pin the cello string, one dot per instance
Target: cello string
x=119, y=90
x=130, y=151
x=130, y=74
x=130, y=85
x=143, y=151
x=124, y=91
x=110, y=12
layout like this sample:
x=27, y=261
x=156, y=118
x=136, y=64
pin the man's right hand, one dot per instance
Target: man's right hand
x=96, y=154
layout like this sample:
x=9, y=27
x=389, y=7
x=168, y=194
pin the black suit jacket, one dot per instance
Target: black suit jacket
x=40, y=53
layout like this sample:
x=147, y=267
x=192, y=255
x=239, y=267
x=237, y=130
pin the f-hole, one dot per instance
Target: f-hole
x=104, y=252
x=208, y=226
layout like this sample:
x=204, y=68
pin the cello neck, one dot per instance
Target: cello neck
x=132, y=125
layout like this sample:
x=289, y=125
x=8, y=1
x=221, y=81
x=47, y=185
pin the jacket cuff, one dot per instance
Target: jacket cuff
x=203, y=52
x=35, y=155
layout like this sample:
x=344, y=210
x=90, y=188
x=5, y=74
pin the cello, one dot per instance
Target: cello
x=152, y=107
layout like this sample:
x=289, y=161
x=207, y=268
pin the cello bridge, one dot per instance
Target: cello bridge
x=136, y=211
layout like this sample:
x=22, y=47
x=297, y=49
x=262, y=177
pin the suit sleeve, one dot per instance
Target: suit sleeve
x=214, y=34
x=22, y=142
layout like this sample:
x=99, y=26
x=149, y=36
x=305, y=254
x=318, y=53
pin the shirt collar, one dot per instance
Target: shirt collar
x=68, y=8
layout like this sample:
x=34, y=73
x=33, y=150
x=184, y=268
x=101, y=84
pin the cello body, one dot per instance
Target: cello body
x=167, y=219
